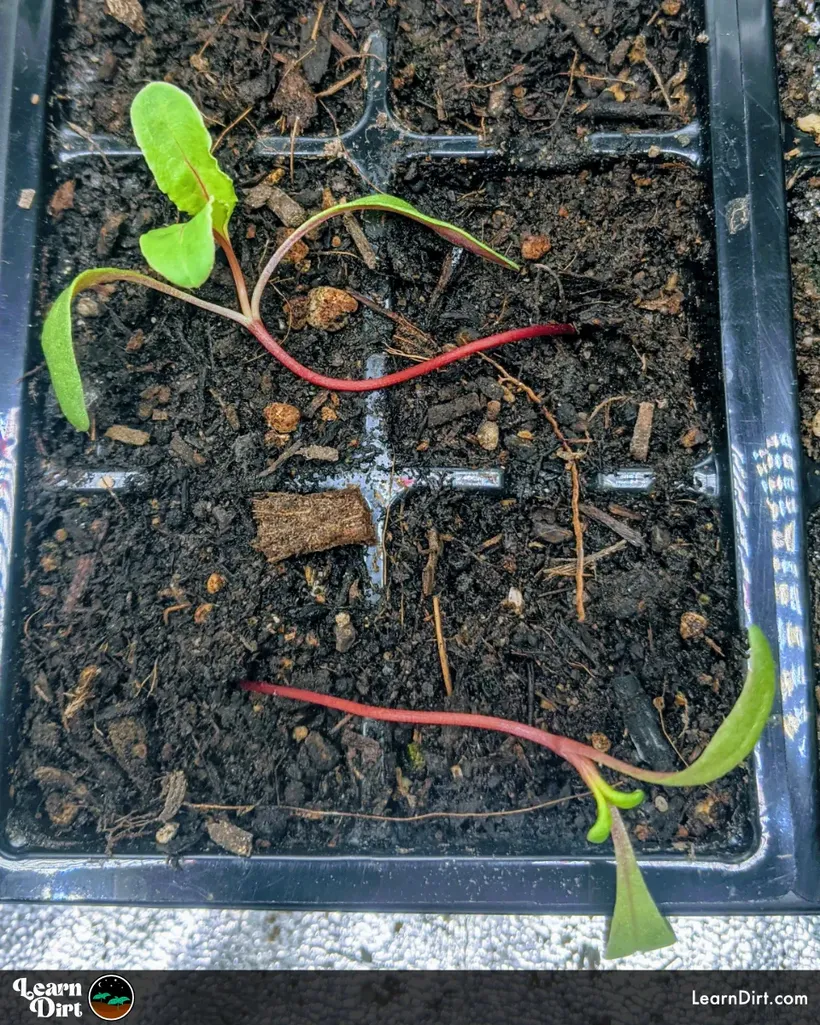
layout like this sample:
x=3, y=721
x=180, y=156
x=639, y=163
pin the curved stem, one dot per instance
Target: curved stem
x=236, y=271
x=136, y=278
x=570, y=750
x=390, y=204
x=567, y=749
x=261, y=333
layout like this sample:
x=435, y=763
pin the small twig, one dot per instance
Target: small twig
x=360, y=240
x=225, y=131
x=579, y=544
x=428, y=575
x=627, y=533
x=323, y=813
x=605, y=404
x=568, y=92
x=340, y=724
x=90, y=140
x=572, y=468
x=659, y=80
x=213, y=35
x=659, y=703
x=569, y=569
x=293, y=145
x=338, y=86
x=240, y=809
x=442, y=647
x=315, y=30
x=174, y=608
x=283, y=457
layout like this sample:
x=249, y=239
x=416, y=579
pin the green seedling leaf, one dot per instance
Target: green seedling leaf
x=740, y=730
x=392, y=204
x=605, y=797
x=58, y=345
x=176, y=145
x=637, y=924
x=183, y=253
x=389, y=204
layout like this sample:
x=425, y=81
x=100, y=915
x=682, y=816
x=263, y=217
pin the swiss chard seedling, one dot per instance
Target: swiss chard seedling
x=176, y=145
x=637, y=924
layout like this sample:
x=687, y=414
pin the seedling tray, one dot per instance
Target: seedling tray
x=756, y=476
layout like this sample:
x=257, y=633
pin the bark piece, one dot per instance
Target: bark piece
x=320, y=453
x=128, y=13
x=639, y=446
x=231, y=838
x=296, y=524
x=63, y=198
x=447, y=411
x=289, y=212
x=627, y=533
x=175, y=787
x=127, y=435
x=573, y=21
x=187, y=453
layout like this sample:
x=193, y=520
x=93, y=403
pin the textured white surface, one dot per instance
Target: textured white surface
x=128, y=939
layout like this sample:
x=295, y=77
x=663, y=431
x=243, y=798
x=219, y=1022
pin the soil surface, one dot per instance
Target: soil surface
x=797, y=51
x=144, y=606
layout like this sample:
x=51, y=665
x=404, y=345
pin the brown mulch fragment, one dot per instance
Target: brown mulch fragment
x=290, y=524
x=454, y=410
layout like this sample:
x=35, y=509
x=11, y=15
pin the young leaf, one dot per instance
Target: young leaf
x=392, y=204
x=183, y=253
x=58, y=345
x=740, y=730
x=177, y=147
x=389, y=204
x=637, y=924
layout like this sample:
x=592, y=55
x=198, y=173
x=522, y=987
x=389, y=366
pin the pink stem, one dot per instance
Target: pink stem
x=238, y=277
x=570, y=750
x=261, y=333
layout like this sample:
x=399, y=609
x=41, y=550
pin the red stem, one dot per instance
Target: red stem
x=238, y=277
x=570, y=750
x=261, y=333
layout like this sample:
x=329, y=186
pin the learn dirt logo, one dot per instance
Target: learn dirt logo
x=111, y=997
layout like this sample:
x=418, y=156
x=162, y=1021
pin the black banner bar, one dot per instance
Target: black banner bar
x=411, y=998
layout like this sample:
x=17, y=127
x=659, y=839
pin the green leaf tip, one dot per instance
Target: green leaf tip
x=171, y=133
x=183, y=253
x=637, y=924
x=58, y=345
x=740, y=730
x=457, y=236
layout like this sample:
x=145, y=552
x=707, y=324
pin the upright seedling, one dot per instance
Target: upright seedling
x=177, y=147
x=637, y=924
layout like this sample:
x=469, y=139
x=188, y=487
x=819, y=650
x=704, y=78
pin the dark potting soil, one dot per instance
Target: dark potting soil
x=145, y=607
x=797, y=52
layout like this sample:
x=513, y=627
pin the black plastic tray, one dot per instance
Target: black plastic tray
x=738, y=146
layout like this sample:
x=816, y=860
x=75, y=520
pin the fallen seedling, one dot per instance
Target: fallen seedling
x=637, y=924
x=176, y=145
